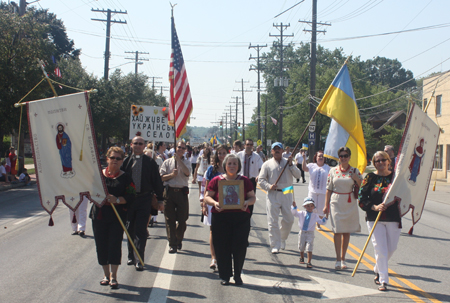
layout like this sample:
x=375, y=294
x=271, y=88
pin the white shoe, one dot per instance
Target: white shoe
x=337, y=266
x=343, y=265
x=275, y=250
x=283, y=245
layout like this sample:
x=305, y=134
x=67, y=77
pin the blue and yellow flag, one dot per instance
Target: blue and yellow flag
x=345, y=129
x=288, y=190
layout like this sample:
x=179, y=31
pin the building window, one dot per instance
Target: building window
x=424, y=103
x=438, y=105
x=438, y=157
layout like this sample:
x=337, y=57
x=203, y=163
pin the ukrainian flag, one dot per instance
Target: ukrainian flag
x=345, y=129
x=288, y=190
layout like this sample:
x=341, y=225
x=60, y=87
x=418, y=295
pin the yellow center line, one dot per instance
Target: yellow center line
x=370, y=266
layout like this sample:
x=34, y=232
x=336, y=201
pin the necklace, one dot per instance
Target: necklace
x=342, y=170
x=110, y=175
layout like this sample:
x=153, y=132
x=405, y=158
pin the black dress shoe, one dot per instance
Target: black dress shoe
x=82, y=234
x=179, y=246
x=130, y=262
x=139, y=267
x=172, y=250
x=74, y=233
x=225, y=282
x=238, y=281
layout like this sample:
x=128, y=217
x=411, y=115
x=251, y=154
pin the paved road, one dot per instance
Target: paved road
x=46, y=264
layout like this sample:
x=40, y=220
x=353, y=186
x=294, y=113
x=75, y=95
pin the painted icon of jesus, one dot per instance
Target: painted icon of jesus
x=416, y=161
x=64, y=145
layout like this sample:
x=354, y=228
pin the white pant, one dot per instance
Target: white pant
x=319, y=201
x=306, y=240
x=276, y=201
x=384, y=239
x=80, y=214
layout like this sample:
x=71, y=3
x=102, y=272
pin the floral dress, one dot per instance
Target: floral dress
x=344, y=216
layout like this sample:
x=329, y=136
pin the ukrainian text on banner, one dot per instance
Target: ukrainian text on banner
x=151, y=123
x=60, y=129
x=414, y=164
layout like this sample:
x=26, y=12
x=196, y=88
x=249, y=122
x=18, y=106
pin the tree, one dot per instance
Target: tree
x=35, y=35
x=394, y=136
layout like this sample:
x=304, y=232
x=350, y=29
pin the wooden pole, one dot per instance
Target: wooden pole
x=367, y=242
x=128, y=235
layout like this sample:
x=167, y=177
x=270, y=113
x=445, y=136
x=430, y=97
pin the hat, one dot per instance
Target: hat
x=307, y=201
x=277, y=144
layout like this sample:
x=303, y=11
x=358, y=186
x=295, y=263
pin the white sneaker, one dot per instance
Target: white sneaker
x=275, y=250
x=283, y=245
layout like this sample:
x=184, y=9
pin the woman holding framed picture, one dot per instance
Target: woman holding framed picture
x=230, y=222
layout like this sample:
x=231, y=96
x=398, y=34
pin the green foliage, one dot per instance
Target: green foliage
x=394, y=137
x=369, y=78
x=372, y=143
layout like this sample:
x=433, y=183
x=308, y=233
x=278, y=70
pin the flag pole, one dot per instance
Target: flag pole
x=367, y=242
x=128, y=235
x=304, y=131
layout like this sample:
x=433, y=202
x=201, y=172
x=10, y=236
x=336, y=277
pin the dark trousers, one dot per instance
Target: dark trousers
x=176, y=212
x=194, y=165
x=302, y=172
x=137, y=225
x=108, y=241
x=230, y=232
x=250, y=207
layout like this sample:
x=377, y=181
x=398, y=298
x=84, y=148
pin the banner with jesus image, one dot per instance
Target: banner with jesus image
x=414, y=165
x=61, y=130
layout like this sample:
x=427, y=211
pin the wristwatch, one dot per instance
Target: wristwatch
x=117, y=200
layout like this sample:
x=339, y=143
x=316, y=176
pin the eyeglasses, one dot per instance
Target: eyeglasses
x=181, y=147
x=116, y=158
x=138, y=143
x=344, y=156
x=381, y=160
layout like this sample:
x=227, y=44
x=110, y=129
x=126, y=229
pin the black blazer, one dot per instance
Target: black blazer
x=150, y=177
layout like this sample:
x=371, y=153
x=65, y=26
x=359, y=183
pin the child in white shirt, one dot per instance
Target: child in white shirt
x=306, y=221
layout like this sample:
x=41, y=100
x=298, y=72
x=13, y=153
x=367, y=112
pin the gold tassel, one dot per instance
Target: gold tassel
x=81, y=155
x=434, y=186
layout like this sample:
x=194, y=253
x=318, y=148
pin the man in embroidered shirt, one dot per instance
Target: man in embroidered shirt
x=276, y=201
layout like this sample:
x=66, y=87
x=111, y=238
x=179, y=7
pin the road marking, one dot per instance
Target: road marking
x=29, y=218
x=163, y=278
x=329, y=289
x=393, y=273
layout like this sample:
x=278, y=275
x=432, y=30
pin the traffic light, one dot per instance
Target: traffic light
x=239, y=124
x=221, y=124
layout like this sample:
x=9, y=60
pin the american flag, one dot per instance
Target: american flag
x=57, y=71
x=274, y=120
x=180, y=94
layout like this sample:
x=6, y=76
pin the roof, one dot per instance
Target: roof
x=387, y=117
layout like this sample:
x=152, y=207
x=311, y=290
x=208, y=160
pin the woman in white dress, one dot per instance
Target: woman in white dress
x=317, y=188
x=342, y=205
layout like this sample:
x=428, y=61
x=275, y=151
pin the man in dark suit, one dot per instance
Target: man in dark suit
x=147, y=180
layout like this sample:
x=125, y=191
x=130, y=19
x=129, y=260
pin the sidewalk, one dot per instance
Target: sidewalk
x=5, y=186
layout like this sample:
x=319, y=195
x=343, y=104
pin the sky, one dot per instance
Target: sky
x=215, y=38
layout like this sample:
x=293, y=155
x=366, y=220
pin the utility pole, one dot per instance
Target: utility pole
x=312, y=87
x=136, y=60
x=281, y=28
x=235, y=121
x=258, y=69
x=108, y=34
x=22, y=7
x=243, y=103
x=153, y=81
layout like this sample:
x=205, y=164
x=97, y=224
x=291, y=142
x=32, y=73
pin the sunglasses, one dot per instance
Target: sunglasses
x=181, y=147
x=343, y=156
x=381, y=160
x=116, y=158
x=138, y=143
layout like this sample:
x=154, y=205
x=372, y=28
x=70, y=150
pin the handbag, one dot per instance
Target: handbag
x=355, y=189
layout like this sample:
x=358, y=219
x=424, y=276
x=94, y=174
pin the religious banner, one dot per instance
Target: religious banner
x=414, y=165
x=65, y=152
x=151, y=123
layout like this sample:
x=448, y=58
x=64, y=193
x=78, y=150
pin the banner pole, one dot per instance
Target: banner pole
x=128, y=235
x=367, y=242
x=296, y=146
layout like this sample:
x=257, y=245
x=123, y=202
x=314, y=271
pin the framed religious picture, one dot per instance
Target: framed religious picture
x=231, y=194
